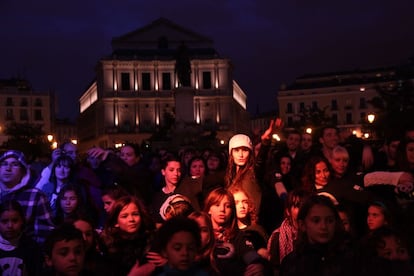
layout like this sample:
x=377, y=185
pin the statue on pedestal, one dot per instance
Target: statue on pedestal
x=183, y=66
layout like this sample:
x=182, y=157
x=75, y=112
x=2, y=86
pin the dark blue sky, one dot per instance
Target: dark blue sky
x=56, y=44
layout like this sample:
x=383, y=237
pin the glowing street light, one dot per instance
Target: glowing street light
x=308, y=130
x=50, y=138
x=371, y=118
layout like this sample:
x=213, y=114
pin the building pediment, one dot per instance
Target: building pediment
x=161, y=33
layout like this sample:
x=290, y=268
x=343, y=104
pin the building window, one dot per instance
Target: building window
x=314, y=105
x=146, y=81
x=362, y=103
x=349, y=118
x=9, y=114
x=38, y=115
x=125, y=81
x=9, y=102
x=289, y=108
x=335, y=119
x=166, y=81
x=24, y=115
x=290, y=121
x=302, y=107
x=334, y=105
x=207, y=80
x=24, y=102
x=38, y=102
x=363, y=116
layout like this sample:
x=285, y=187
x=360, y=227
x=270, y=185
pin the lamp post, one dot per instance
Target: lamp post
x=371, y=119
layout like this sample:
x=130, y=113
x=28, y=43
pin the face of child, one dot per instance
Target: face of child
x=62, y=171
x=181, y=250
x=11, y=224
x=87, y=232
x=375, y=218
x=321, y=174
x=319, y=224
x=172, y=173
x=220, y=212
x=129, y=219
x=240, y=156
x=69, y=202
x=393, y=250
x=67, y=257
x=204, y=231
x=108, y=203
x=197, y=168
x=242, y=204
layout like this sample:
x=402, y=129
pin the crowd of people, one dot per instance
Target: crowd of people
x=313, y=204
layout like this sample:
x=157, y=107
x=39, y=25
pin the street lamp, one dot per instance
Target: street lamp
x=371, y=118
x=308, y=130
x=50, y=138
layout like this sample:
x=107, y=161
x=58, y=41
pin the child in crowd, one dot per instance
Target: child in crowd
x=179, y=240
x=281, y=241
x=378, y=216
x=391, y=249
x=233, y=253
x=65, y=252
x=127, y=234
x=176, y=205
x=205, y=257
x=19, y=255
x=247, y=221
x=93, y=256
x=320, y=248
x=110, y=195
x=69, y=204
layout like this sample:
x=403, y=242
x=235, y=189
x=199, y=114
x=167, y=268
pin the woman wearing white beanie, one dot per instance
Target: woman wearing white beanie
x=241, y=170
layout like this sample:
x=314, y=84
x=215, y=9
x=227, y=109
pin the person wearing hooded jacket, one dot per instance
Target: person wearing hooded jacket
x=15, y=179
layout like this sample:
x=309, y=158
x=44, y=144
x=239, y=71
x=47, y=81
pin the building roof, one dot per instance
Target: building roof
x=160, y=40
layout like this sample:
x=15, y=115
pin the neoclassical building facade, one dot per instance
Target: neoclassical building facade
x=137, y=89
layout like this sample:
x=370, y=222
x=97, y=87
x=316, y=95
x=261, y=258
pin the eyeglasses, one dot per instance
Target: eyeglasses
x=14, y=164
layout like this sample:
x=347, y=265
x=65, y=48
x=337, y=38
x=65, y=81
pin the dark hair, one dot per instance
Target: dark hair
x=135, y=147
x=234, y=175
x=376, y=239
x=13, y=205
x=169, y=158
x=220, y=157
x=197, y=158
x=114, y=192
x=79, y=211
x=309, y=172
x=401, y=156
x=295, y=198
x=66, y=161
x=175, y=225
x=112, y=232
x=312, y=201
x=64, y=232
x=384, y=209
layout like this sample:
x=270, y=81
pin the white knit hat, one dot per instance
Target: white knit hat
x=240, y=140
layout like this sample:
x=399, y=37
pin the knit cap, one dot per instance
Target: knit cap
x=240, y=140
x=16, y=154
